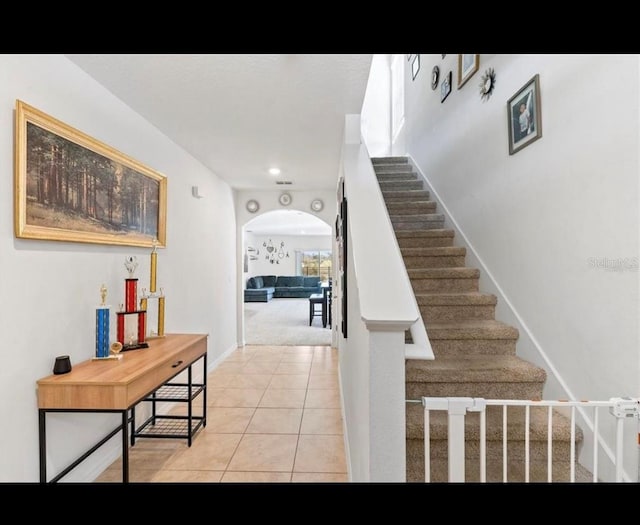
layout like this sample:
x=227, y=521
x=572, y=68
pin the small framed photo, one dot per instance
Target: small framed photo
x=445, y=86
x=415, y=67
x=525, y=116
x=467, y=66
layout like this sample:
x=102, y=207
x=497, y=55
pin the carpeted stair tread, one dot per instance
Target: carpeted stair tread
x=561, y=425
x=444, y=273
x=437, y=251
x=471, y=329
x=389, y=160
x=413, y=195
x=474, y=369
x=431, y=237
x=456, y=299
x=515, y=472
x=425, y=234
x=391, y=166
x=433, y=220
x=393, y=171
x=417, y=217
x=411, y=207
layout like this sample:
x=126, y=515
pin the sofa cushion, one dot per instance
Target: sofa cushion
x=311, y=281
x=269, y=281
x=251, y=283
x=286, y=280
x=259, y=282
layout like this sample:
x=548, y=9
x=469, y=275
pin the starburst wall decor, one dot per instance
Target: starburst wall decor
x=487, y=84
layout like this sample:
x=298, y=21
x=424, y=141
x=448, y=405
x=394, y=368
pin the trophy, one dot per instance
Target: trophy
x=153, y=294
x=131, y=330
x=102, y=325
x=103, y=314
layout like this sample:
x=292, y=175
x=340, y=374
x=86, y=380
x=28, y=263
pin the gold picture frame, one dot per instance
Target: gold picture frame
x=467, y=66
x=71, y=187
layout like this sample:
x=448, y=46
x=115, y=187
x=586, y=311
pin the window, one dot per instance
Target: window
x=315, y=262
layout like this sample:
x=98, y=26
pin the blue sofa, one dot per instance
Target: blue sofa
x=263, y=288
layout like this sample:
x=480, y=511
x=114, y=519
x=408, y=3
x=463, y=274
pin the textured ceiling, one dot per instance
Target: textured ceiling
x=241, y=114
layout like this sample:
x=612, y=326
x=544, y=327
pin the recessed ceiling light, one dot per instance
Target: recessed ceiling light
x=274, y=171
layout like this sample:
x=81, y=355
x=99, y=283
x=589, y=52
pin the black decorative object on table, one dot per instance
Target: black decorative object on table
x=62, y=365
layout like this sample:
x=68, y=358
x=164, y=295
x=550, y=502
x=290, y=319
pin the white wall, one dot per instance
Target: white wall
x=376, y=108
x=538, y=218
x=50, y=290
x=292, y=243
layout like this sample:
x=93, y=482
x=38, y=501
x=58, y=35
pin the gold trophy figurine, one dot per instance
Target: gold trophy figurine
x=103, y=295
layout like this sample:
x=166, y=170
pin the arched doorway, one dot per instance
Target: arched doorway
x=284, y=247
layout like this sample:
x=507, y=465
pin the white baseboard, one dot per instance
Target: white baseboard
x=347, y=453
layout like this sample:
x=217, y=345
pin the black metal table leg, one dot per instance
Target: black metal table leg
x=133, y=425
x=189, y=405
x=204, y=393
x=42, y=439
x=125, y=447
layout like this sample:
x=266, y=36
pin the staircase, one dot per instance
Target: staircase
x=474, y=352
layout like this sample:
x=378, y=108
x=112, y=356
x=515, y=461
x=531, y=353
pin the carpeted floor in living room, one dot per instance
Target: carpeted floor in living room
x=283, y=321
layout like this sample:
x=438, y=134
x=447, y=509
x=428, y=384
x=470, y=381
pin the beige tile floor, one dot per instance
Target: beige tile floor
x=273, y=415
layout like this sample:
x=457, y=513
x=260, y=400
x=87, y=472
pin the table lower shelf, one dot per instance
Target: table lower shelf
x=170, y=427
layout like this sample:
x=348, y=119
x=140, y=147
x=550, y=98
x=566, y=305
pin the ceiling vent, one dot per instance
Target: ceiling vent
x=284, y=182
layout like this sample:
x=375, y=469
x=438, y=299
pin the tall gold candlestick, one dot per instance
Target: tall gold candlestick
x=161, y=316
x=154, y=263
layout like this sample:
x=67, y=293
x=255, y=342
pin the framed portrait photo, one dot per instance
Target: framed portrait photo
x=467, y=66
x=524, y=112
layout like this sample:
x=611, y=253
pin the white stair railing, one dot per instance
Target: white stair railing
x=624, y=410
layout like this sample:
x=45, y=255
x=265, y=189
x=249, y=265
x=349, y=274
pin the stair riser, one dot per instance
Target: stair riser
x=471, y=347
x=425, y=242
x=515, y=470
x=388, y=176
x=432, y=224
x=389, y=160
x=421, y=261
x=393, y=166
x=462, y=388
x=457, y=313
x=400, y=196
x=401, y=185
x=561, y=450
x=411, y=208
x=444, y=285
x=405, y=181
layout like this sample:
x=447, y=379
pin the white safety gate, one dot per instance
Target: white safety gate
x=624, y=410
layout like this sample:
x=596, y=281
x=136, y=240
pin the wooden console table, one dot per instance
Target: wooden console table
x=117, y=386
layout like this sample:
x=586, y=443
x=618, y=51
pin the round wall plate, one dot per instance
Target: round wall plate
x=285, y=199
x=317, y=205
x=253, y=206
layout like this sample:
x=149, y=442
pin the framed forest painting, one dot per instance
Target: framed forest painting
x=72, y=187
